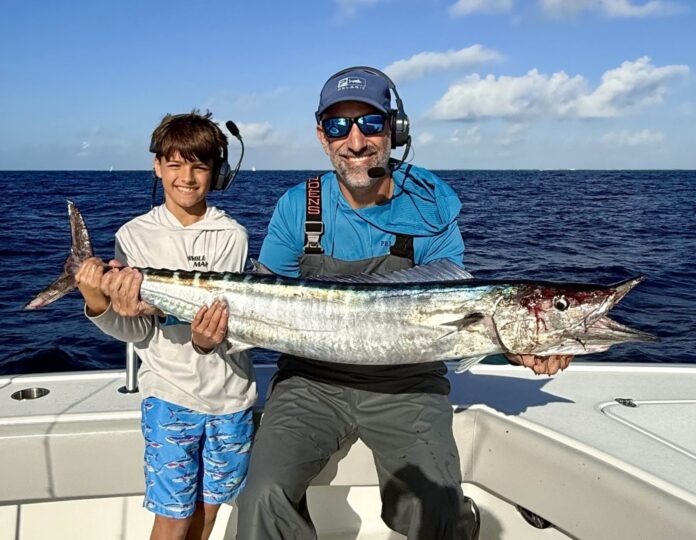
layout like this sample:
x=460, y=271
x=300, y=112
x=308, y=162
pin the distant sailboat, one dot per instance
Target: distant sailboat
x=111, y=169
x=253, y=169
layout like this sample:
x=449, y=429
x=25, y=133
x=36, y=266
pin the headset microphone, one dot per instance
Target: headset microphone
x=379, y=172
x=234, y=130
x=376, y=172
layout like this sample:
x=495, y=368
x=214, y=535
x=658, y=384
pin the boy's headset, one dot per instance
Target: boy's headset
x=399, y=124
x=224, y=175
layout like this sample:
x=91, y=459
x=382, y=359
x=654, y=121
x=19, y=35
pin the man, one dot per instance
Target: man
x=363, y=217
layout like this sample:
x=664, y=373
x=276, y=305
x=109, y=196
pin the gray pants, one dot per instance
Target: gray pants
x=410, y=435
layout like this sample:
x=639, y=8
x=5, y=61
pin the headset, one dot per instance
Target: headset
x=224, y=176
x=398, y=119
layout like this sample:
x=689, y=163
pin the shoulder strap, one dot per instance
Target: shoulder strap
x=314, y=226
x=402, y=247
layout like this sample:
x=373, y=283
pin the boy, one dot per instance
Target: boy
x=197, y=398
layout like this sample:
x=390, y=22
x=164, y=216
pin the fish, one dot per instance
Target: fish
x=178, y=426
x=427, y=313
x=183, y=440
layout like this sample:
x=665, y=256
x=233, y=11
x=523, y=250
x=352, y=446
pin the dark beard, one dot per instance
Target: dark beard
x=356, y=177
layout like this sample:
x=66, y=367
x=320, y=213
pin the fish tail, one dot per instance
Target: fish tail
x=81, y=249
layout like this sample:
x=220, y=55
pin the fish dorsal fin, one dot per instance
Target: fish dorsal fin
x=436, y=272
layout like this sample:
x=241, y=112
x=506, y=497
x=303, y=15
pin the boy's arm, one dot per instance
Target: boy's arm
x=209, y=327
x=123, y=285
x=88, y=278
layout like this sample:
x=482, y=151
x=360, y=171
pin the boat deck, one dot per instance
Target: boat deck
x=600, y=451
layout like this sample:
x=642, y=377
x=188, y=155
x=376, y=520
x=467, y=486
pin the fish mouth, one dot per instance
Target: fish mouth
x=622, y=288
x=598, y=337
x=609, y=330
x=614, y=294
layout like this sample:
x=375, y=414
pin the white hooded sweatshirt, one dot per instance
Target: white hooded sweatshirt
x=214, y=383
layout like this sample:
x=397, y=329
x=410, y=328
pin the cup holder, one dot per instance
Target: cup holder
x=30, y=393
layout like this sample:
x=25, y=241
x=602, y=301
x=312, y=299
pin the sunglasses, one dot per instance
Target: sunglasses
x=340, y=126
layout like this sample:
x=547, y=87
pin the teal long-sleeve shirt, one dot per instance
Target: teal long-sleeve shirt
x=422, y=205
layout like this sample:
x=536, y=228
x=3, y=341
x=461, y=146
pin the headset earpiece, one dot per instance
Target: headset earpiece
x=399, y=128
x=224, y=177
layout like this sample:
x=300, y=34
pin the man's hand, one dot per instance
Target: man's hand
x=122, y=284
x=549, y=365
x=209, y=326
x=88, y=278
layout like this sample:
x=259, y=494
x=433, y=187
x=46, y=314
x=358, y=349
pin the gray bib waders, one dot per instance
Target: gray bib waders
x=305, y=422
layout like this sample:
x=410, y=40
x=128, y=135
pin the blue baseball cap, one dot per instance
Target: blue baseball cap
x=355, y=85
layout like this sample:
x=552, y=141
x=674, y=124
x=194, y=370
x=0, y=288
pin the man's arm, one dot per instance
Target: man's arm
x=549, y=365
x=449, y=244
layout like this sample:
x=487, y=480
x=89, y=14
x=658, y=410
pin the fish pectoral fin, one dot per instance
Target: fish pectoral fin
x=237, y=346
x=458, y=325
x=466, y=362
x=477, y=322
x=469, y=320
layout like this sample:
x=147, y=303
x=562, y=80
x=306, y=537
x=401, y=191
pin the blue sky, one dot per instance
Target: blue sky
x=494, y=84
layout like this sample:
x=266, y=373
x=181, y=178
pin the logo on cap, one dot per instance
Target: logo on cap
x=348, y=83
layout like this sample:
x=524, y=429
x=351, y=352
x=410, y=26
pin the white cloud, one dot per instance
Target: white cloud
x=97, y=142
x=611, y=8
x=644, y=137
x=257, y=134
x=467, y=7
x=469, y=136
x=348, y=8
x=630, y=86
x=420, y=64
x=425, y=138
x=514, y=98
x=512, y=134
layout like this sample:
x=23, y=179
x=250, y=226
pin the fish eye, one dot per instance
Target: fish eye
x=560, y=303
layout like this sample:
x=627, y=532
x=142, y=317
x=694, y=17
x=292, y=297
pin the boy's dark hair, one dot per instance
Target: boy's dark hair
x=193, y=135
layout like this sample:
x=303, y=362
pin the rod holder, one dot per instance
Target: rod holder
x=131, y=371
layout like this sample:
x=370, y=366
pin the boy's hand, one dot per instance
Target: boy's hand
x=123, y=286
x=209, y=326
x=549, y=365
x=88, y=279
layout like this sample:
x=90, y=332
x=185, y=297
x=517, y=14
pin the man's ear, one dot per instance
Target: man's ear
x=323, y=140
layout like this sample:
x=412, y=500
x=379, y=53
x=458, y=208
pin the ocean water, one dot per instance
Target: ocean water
x=590, y=226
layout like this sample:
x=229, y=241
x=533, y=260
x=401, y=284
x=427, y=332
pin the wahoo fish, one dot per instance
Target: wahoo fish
x=423, y=314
